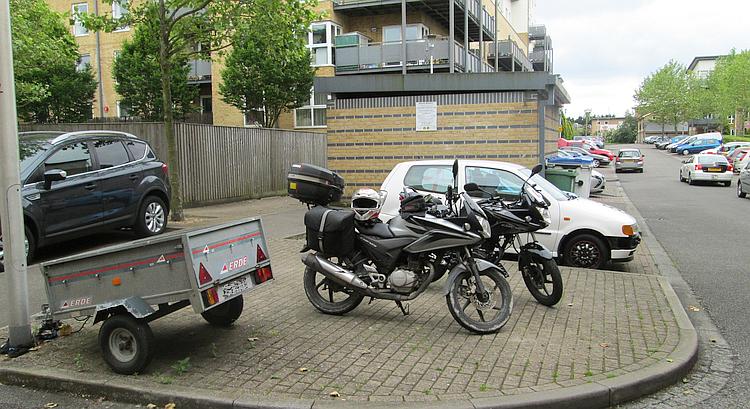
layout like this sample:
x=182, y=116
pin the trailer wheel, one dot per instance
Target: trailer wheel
x=127, y=343
x=225, y=314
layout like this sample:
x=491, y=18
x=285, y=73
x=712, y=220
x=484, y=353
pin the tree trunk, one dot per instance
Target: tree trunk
x=173, y=160
x=739, y=122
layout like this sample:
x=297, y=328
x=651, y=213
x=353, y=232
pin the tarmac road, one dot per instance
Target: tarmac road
x=705, y=229
x=15, y=397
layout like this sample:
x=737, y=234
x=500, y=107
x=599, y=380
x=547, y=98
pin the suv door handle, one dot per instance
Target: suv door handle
x=90, y=186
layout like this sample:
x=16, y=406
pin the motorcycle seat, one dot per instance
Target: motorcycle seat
x=377, y=229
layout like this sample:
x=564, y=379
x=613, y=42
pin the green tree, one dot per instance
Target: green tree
x=183, y=24
x=626, y=132
x=567, y=128
x=48, y=86
x=268, y=68
x=138, y=74
x=728, y=87
x=665, y=94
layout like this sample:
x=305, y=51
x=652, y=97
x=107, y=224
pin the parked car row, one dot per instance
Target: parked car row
x=691, y=144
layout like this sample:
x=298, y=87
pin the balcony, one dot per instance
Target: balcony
x=541, y=60
x=438, y=9
x=510, y=57
x=386, y=57
x=200, y=72
x=537, y=32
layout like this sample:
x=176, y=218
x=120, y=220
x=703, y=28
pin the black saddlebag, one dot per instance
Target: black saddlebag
x=330, y=231
x=314, y=185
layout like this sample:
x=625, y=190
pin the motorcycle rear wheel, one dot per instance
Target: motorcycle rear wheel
x=499, y=306
x=539, y=276
x=339, y=300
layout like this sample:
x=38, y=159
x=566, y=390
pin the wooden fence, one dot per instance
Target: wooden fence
x=220, y=163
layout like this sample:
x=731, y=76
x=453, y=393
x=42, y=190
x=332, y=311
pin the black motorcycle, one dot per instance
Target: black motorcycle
x=351, y=260
x=508, y=221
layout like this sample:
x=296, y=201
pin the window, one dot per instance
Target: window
x=110, y=153
x=255, y=117
x=431, y=178
x=314, y=114
x=320, y=42
x=206, y=104
x=83, y=62
x=119, y=10
x=413, y=32
x=78, y=28
x=502, y=182
x=629, y=154
x=123, y=111
x=73, y=159
x=137, y=149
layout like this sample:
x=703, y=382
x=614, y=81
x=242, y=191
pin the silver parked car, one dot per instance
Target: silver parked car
x=629, y=159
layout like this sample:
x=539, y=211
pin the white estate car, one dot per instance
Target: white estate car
x=706, y=168
x=583, y=233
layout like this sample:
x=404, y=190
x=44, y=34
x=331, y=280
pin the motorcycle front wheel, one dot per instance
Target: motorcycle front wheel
x=543, y=279
x=480, y=314
x=327, y=296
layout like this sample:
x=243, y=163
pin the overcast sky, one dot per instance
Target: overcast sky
x=604, y=48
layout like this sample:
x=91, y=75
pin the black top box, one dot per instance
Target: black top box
x=314, y=185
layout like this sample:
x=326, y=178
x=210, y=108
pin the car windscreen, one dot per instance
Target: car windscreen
x=546, y=186
x=629, y=154
x=31, y=149
x=711, y=159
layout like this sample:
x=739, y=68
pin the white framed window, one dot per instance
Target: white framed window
x=119, y=10
x=83, y=62
x=254, y=118
x=312, y=115
x=78, y=28
x=413, y=32
x=320, y=42
x=122, y=110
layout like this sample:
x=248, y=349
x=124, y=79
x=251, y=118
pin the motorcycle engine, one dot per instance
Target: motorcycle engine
x=403, y=281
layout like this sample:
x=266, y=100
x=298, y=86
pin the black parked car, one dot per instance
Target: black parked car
x=79, y=183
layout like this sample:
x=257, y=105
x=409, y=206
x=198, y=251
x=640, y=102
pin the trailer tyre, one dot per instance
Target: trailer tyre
x=127, y=344
x=225, y=314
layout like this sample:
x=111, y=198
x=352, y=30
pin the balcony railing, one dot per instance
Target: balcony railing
x=200, y=71
x=381, y=57
x=508, y=50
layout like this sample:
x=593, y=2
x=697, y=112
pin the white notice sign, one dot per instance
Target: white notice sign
x=426, y=116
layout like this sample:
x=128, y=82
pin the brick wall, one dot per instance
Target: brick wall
x=365, y=143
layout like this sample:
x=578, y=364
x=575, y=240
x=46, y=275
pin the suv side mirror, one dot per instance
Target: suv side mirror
x=53, y=175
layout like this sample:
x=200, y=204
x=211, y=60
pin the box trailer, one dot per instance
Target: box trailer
x=126, y=286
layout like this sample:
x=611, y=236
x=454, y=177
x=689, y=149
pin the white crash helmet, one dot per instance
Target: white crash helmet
x=366, y=204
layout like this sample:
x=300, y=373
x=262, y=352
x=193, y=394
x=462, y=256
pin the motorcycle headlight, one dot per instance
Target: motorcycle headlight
x=486, y=229
x=545, y=215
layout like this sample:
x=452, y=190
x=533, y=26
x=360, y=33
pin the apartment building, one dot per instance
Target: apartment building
x=600, y=126
x=399, y=80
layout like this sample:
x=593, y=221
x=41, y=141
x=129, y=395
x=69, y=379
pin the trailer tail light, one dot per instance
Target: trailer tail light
x=210, y=297
x=263, y=274
x=699, y=167
x=203, y=276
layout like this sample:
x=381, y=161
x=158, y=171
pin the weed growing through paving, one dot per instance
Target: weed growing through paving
x=214, y=350
x=163, y=379
x=78, y=362
x=640, y=315
x=610, y=375
x=483, y=388
x=554, y=375
x=428, y=391
x=181, y=366
x=588, y=373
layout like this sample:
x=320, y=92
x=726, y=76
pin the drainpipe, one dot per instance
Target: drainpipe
x=403, y=37
x=541, y=103
x=452, y=37
x=497, y=66
x=481, y=38
x=99, y=64
x=466, y=35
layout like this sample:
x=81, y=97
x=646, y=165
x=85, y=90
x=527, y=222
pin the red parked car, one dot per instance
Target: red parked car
x=597, y=151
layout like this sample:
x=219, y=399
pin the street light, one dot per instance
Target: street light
x=14, y=247
x=586, y=111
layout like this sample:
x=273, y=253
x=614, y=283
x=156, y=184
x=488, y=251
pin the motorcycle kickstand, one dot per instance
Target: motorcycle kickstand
x=371, y=300
x=404, y=310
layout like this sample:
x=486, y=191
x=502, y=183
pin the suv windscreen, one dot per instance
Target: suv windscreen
x=430, y=178
x=110, y=153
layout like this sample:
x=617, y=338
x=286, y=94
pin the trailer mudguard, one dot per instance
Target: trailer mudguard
x=134, y=305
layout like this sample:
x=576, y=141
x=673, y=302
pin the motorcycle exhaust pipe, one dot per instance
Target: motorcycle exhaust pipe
x=332, y=271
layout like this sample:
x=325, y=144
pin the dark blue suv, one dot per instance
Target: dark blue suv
x=79, y=183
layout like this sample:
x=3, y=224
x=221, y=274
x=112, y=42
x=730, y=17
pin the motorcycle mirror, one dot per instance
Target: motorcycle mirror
x=455, y=170
x=536, y=169
x=471, y=187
